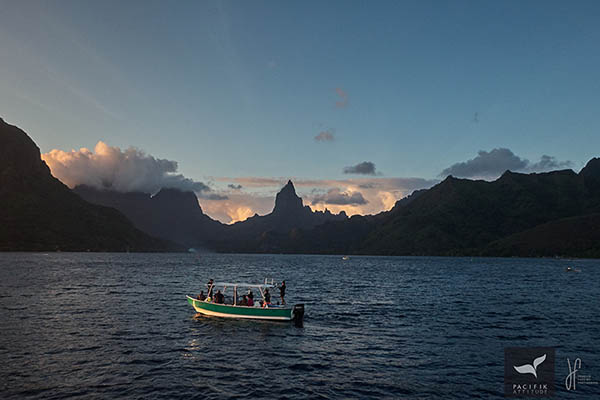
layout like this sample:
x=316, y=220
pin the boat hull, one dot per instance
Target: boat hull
x=229, y=311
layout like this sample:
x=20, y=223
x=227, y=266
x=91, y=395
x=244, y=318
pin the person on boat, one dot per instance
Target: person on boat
x=250, y=301
x=282, y=292
x=219, y=298
x=201, y=296
x=244, y=301
x=209, y=285
x=267, y=298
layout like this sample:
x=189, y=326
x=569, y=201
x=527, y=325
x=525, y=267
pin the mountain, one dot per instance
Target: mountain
x=170, y=214
x=574, y=237
x=176, y=215
x=459, y=216
x=545, y=214
x=274, y=232
x=39, y=213
x=540, y=214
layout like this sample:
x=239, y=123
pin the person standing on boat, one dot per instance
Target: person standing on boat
x=282, y=292
x=267, y=297
x=209, y=285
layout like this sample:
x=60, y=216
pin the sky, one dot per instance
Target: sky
x=359, y=103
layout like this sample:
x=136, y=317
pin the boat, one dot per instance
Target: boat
x=273, y=312
x=345, y=258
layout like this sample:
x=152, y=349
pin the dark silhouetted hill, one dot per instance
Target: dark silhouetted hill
x=39, y=213
x=459, y=216
x=540, y=214
x=543, y=214
x=574, y=237
x=170, y=214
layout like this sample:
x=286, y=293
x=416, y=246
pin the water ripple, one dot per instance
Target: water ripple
x=118, y=326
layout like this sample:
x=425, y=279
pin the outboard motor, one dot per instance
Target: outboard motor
x=298, y=314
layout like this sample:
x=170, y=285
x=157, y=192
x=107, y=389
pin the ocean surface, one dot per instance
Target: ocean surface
x=118, y=326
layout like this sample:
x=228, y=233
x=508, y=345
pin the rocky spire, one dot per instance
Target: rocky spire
x=287, y=201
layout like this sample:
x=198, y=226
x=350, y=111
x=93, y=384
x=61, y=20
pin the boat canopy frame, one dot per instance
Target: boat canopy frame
x=234, y=285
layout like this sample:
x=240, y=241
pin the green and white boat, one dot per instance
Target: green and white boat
x=234, y=310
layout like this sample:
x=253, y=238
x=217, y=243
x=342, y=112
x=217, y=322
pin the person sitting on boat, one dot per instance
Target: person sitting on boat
x=250, y=301
x=219, y=298
x=244, y=301
x=250, y=294
x=201, y=296
x=282, y=292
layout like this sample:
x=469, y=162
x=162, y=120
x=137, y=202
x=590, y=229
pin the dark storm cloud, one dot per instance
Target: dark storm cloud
x=363, y=168
x=493, y=163
x=548, y=163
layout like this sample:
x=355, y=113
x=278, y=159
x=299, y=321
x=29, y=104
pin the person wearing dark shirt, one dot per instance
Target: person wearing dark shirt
x=201, y=296
x=282, y=292
x=250, y=295
x=267, y=297
x=219, y=298
x=209, y=285
x=244, y=301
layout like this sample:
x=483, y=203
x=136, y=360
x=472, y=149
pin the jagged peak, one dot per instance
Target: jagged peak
x=287, y=200
x=289, y=186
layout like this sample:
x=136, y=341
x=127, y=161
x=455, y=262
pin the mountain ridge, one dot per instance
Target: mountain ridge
x=39, y=213
x=538, y=214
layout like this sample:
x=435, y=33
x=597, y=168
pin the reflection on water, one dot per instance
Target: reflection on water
x=119, y=325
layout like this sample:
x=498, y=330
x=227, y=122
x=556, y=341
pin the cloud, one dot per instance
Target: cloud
x=342, y=102
x=548, y=163
x=337, y=197
x=255, y=182
x=363, y=168
x=238, y=207
x=367, y=185
x=129, y=170
x=234, y=187
x=326, y=136
x=493, y=164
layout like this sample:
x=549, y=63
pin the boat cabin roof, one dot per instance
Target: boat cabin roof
x=248, y=285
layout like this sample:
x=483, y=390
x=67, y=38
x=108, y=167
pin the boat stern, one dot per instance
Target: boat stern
x=298, y=314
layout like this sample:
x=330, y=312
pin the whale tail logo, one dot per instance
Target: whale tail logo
x=531, y=368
